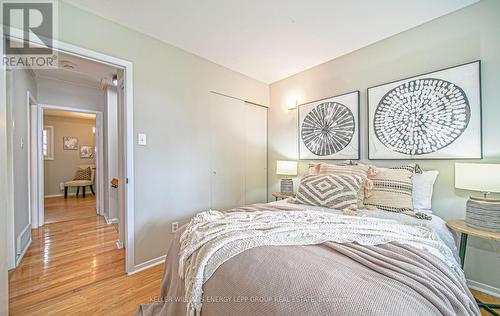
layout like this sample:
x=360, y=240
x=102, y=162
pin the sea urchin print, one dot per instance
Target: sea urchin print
x=421, y=116
x=328, y=128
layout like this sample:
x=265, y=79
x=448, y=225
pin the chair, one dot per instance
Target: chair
x=81, y=183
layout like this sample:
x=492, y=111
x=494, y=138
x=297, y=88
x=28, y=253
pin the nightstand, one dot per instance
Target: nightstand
x=465, y=231
x=282, y=196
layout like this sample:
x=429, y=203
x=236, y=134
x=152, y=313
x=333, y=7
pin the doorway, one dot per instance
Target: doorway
x=70, y=148
x=19, y=242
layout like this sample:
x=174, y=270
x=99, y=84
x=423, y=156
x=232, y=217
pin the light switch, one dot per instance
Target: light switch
x=141, y=139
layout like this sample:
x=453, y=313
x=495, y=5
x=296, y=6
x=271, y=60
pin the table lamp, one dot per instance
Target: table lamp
x=286, y=168
x=482, y=212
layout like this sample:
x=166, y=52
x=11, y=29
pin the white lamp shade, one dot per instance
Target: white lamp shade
x=286, y=168
x=477, y=177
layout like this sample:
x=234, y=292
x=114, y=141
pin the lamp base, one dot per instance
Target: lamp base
x=484, y=199
x=483, y=214
x=286, y=186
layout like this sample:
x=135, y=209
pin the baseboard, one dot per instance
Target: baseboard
x=485, y=288
x=148, y=264
x=110, y=221
x=56, y=195
x=69, y=194
x=87, y=192
x=20, y=258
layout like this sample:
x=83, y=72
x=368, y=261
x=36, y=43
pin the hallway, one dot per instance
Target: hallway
x=58, y=209
x=65, y=257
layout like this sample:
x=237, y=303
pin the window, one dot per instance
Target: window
x=48, y=142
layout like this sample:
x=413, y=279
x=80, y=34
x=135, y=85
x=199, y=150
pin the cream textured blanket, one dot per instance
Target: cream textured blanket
x=213, y=237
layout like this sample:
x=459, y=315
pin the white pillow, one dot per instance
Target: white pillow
x=423, y=184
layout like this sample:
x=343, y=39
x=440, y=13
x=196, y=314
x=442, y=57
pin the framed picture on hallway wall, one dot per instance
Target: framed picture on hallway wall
x=86, y=152
x=329, y=128
x=431, y=116
x=70, y=143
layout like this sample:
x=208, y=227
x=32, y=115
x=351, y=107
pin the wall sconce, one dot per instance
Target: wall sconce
x=93, y=130
x=292, y=102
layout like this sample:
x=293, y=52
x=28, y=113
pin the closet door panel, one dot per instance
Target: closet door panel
x=255, y=154
x=227, y=152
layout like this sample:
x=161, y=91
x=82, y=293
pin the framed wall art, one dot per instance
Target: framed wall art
x=86, y=152
x=70, y=143
x=431, y=116
x=329, y=128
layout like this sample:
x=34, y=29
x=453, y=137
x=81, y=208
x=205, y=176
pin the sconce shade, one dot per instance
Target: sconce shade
x=286, y=168
x=477, y=177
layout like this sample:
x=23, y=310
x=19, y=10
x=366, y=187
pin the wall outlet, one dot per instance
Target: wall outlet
x=175, y=226
x=61, y=186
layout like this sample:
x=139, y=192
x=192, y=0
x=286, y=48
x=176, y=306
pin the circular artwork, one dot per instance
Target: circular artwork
x=328, y=128
x=421, y=116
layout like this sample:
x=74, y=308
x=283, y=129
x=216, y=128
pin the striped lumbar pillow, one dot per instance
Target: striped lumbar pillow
x=329, y=190
x=392, y=190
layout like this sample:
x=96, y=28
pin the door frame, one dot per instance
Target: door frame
x=128, y=137
x=32, y=142
x=39, y=211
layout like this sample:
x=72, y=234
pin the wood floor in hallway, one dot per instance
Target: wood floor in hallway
x=73, y=267
x=59, y=209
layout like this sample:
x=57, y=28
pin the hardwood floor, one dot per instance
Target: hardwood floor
x=58, y=209
x=74, y=268
x=485, y=298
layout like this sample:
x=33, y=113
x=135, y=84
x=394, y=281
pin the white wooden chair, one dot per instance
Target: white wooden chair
x=81, y=183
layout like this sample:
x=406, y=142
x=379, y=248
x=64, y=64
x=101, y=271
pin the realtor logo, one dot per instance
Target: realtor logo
x=28, y=32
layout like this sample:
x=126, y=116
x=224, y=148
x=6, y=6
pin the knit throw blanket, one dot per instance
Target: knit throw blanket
x=212, y=237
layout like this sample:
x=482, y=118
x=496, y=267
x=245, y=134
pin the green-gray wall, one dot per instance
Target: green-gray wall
x=21, y=81
x=466, y=35
x=171, y=88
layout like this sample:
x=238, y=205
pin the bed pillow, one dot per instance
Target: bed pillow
x=423, y=186
x=351, y=169
x=392, y=190
x=313, y=168
x=329, y=190
x=412, y=167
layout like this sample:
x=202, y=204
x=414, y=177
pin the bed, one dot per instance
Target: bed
x=391, y=276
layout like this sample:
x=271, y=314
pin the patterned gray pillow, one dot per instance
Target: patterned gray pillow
x=329, y=190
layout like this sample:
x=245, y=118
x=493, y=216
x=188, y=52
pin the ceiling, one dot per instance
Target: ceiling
x=69, y=114
x=270, y=39
x=84, y=72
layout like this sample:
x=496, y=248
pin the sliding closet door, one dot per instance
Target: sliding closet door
x=255, y=154
x=227, y=152
x=238, y=152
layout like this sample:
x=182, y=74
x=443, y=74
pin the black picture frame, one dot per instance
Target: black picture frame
x=424, y=157
x=357, y=129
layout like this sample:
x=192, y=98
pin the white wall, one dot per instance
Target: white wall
x=463, y=36
x=56, y=92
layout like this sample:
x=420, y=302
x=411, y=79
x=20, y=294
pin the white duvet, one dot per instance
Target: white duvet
x=437, y=224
